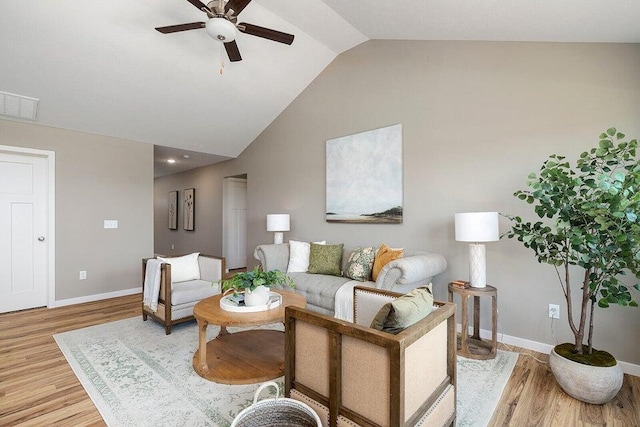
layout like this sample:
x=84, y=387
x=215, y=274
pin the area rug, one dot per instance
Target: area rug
x=138, y=376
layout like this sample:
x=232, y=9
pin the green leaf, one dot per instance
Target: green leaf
x=619, y=135
x=611, y=131
x=633, y=304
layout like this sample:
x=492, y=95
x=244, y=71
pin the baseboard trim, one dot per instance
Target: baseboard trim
x=96, y=297
x=627, y=368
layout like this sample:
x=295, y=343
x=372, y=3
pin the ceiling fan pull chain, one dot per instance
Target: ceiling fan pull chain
x=221, y=59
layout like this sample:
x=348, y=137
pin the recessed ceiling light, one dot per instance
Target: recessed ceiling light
x=186, y=156
x=172, y=161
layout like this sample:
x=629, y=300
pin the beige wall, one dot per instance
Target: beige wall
x=477, y=119
x=207, y=236
x=97, y=178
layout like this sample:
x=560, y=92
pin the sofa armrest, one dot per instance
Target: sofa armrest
x=273, y=257
x=404, y=274
x=212, y=268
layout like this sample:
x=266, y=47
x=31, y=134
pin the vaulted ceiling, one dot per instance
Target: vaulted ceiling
x=100, y=67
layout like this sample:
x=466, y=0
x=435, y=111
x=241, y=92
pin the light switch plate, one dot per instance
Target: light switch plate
x=110, y=223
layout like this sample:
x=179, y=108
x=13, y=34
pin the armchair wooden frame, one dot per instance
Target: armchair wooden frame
x=396, y=346
x=164, y=312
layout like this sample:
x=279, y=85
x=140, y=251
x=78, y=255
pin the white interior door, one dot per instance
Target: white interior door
x=234, y=220
x=23, y=231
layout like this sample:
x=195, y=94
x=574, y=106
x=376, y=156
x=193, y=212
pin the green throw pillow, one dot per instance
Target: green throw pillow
x=360, y=264
x=325, y=259
x=406, y=310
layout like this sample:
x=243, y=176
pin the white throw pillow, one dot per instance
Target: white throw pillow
x=183, y=268
x=299, y=256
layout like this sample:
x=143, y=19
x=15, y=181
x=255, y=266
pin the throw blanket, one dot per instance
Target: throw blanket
x=344, y=300
x=152, y=284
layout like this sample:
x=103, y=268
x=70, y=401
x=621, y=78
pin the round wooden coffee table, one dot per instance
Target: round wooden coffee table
x=244, y=357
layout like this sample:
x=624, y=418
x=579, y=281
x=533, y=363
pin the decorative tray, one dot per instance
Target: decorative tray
x=229, y=303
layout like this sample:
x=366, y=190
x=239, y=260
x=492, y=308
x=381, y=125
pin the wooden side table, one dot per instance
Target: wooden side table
x=472, y=346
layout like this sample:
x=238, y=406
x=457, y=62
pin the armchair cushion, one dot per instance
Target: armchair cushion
x=403, y=312
x=192, y=290
x=183, y=268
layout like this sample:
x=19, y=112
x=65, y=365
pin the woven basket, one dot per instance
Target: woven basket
x=277, y=412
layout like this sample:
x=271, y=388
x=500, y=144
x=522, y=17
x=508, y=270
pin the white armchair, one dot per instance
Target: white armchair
x=176, y=299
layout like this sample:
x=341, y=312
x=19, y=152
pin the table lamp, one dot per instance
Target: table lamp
x=278, y=223
x=477, y=227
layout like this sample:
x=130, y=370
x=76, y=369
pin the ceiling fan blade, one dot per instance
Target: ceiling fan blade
x=199, y=5
x=181, y=27
x=233, y=52
x=265, y=33
x=237, y=6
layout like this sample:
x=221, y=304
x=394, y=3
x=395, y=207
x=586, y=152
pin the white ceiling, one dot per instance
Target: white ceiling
x=100, y=67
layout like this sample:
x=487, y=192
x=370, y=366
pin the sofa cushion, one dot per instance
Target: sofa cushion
x=192, y=291
x=183, y=268
x=299, y=256
x=360, y=264
x=318, y=289
x=325, y=259
x=384, y=256
x=406, y=310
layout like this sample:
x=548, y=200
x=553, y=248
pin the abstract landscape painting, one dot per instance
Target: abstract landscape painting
x=364, y=177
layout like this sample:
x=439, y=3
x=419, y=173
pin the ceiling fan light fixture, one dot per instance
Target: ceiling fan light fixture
x=221, y=29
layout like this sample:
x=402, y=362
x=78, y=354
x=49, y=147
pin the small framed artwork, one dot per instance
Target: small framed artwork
x=173, y=210
x=189, y=205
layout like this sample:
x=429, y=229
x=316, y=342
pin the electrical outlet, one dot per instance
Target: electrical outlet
x=554, y=311
x=83, y=275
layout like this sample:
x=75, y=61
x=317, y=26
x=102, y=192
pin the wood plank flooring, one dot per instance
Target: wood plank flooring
x=38, y=388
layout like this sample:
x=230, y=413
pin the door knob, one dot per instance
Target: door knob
x=41, y=239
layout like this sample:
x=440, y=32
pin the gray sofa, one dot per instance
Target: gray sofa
x=414, y=269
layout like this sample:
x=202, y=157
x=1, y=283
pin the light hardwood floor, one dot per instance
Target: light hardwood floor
x=38, y=388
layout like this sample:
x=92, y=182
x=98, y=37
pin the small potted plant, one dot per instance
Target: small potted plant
x=589, y=219
x=255, y=284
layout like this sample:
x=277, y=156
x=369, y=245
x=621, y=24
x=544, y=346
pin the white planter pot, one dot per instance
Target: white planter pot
x=259, y=296
x=590, y=384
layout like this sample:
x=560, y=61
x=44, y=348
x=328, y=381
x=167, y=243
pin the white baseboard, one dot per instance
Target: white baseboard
x=97, y=297
x=627, y=368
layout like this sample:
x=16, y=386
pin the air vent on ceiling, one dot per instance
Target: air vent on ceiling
x=19, y=106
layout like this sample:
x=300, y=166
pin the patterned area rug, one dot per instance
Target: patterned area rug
x=138, y=376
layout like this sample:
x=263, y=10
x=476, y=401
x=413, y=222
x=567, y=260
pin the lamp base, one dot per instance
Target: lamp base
x=278, y=237
x=477, y=265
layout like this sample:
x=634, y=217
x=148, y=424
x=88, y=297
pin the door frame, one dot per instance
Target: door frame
x=225, y=201
x=50, y=157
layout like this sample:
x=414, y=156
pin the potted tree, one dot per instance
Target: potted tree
x=255, y=284
x=589, y=218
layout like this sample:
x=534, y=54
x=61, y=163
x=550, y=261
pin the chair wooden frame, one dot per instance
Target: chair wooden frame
x=163, y=314
x=396, y=345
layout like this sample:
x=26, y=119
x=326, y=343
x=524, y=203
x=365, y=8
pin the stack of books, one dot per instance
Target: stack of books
x=460, y=284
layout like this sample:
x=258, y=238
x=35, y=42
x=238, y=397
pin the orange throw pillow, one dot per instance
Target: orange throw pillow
x=384, y=256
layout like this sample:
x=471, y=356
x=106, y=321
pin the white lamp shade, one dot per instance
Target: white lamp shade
x=477, y=227
x=221, y=29
x=278, y=222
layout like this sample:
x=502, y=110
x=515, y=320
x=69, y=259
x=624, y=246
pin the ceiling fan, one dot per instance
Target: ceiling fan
x=222, y=26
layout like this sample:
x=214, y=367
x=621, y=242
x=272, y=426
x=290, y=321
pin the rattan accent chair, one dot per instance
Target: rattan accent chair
x=353, y=375
x=176, y=300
